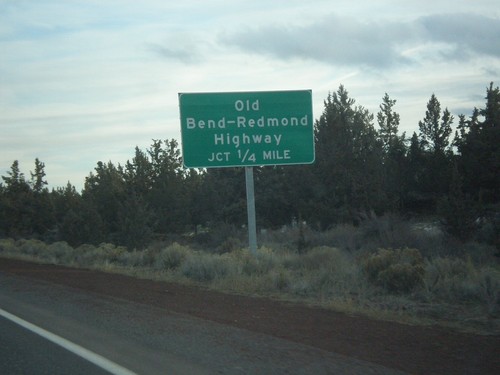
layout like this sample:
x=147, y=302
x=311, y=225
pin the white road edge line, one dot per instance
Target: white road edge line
x=80, y=351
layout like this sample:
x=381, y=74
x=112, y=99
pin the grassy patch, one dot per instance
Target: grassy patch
x=400, y=283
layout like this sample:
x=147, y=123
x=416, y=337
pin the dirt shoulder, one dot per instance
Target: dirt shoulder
x=414, y=349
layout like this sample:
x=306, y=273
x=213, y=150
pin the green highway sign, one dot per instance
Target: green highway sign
x=235, y=129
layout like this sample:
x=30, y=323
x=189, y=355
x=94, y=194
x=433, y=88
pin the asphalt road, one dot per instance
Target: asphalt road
x=143, y=339
x=24, y=352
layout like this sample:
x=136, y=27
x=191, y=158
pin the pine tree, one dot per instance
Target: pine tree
x=225, y=195
x=394, y=157
x=489, y=154
x=103, y=193
x=458, y=212
x=478, y=144
x=18, y=206
x=388, y=122
x=435, y=129
x=43, y=220
x=348, y=161
x=138, y=173
x=15, y=180
x=37, y=177
x=135, y=223
x=167, y=197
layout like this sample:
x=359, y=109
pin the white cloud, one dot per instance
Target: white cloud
x=338, y=40
x=468, y=34
x=88, y=81
x=334, y=40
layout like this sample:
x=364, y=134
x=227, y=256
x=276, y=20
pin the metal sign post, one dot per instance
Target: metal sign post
x=252, y=226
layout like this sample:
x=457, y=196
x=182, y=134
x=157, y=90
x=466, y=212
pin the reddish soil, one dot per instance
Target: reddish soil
x=414, y=349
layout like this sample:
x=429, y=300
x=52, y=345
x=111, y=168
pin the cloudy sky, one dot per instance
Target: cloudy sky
x=84, y=81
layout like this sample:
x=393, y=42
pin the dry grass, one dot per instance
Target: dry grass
x=451, y=290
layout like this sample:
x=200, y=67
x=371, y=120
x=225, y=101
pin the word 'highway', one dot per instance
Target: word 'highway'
x=246, y=139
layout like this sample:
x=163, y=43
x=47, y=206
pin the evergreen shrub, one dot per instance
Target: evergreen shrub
x=7, y=245
x=397, y=271
x=204, y=267
x=171, y=257
x=459, y=280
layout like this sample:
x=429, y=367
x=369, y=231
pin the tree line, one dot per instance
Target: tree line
x=364, y=166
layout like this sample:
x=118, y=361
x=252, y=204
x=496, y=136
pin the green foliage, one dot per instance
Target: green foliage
x=455, y=279
x=59, y=253
x=221, y=238
x=388, y=121
x=31, y=247
x=395, y=160
x=250, y=265
x=360, y=173
x=225, y=199
x=479, y=151
x=435, y=129
x=7, y=245
x=108, y=252
x=104, y=191
x=25, y=213
x=397, y=271
x=14, y=180
x=203, y=267
x=280, y=279
x=348, y=161
x=168, y=198
x=396, y=280
x=328, y=272
x=138, y=259
x=171, y=257
x=37, y=177
x=434, y=137
x=82, y=226
x=230, y=244
x=134, y=223
x=458, y=212
x=343, y=236
x=95, y=256
x=314, y=259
